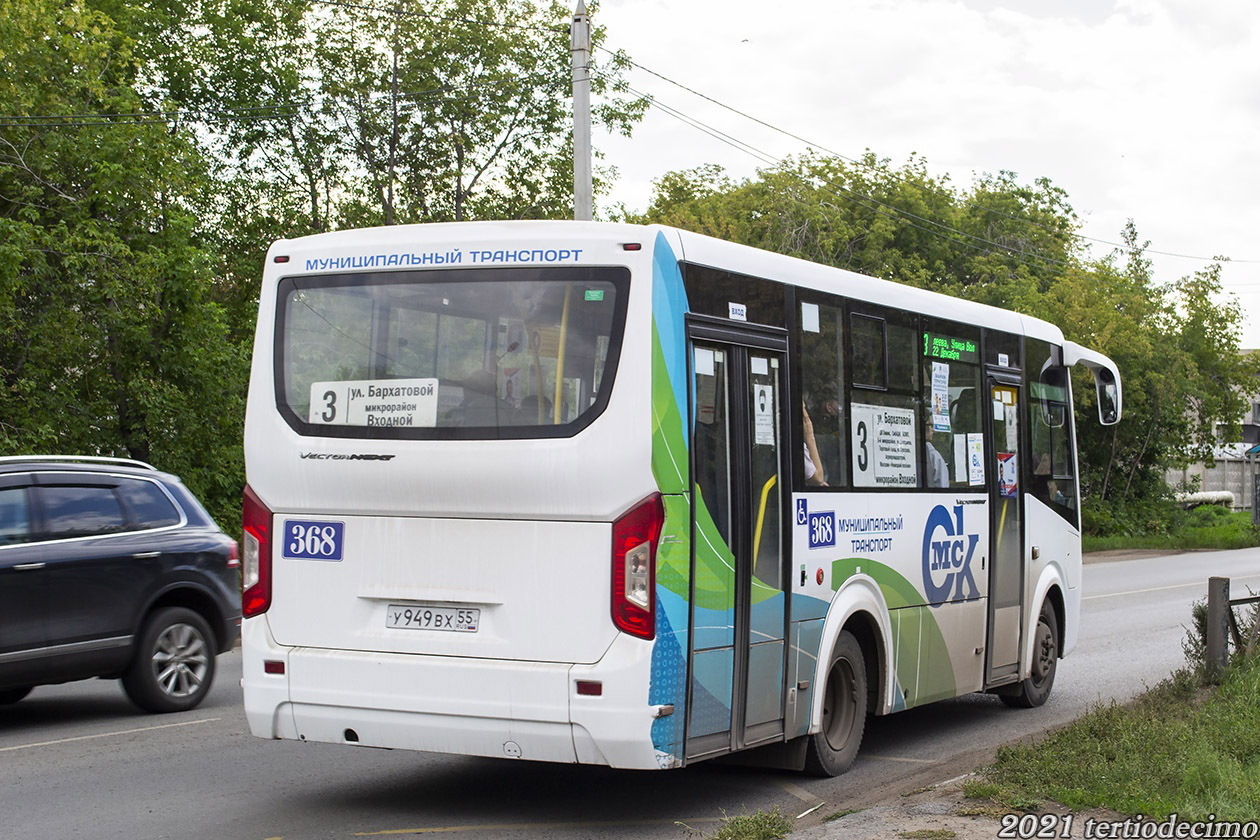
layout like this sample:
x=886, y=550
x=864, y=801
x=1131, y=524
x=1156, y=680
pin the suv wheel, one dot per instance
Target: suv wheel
x=174, y=662
x=12, y=695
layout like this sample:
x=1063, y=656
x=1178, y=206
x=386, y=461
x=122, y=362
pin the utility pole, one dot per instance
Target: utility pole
x=580, y=45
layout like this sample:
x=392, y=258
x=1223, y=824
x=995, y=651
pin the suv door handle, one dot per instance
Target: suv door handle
x=145, y=555
x=28, y=567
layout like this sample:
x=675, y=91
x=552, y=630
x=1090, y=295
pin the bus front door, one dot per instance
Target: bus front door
x=1006, y=571
x=736, y=670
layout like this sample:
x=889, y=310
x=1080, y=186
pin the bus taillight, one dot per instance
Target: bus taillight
x=256, y=566
x=635, y=537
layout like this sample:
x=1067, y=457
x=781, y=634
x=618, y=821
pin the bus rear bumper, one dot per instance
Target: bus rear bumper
x=457, y=705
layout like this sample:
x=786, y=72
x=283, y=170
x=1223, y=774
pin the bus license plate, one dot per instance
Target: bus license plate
x=450, y=619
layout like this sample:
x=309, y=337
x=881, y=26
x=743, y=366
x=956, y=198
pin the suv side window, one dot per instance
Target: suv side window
x=148, y=505
x=15, y=516
x=81, y=510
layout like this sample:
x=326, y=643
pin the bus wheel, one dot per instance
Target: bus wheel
x=1045, y=659
x=832, y=751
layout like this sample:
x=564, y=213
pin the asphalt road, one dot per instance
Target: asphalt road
x=78, y=761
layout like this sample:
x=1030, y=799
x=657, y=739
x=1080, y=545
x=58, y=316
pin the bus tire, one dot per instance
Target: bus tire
x=1035, y=690
x=832, y=750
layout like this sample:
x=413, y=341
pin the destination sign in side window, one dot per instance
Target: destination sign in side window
x=884, y=446
x=377, y=403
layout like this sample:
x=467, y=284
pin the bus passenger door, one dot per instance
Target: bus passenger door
x=1006, y=571
x=736, y=689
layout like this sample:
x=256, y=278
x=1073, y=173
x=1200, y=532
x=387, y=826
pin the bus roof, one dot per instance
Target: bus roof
x=694, y=248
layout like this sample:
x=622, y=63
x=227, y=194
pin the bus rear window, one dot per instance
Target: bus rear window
x=465, y=353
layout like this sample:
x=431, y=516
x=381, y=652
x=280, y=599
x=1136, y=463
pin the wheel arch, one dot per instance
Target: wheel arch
x=191, y=596
x=1050, y=588
x=858, y=607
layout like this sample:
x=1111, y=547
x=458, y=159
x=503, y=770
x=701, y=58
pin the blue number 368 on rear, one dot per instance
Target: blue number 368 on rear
x=305, y=540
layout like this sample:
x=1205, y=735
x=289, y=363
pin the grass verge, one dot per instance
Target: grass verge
x=1177, y=749
x=1212, y=529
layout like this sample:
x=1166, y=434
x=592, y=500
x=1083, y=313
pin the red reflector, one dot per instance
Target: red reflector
x=632, y=246
x=273, y=666
x=234, y=556
x=590, y=688
x=282, y=259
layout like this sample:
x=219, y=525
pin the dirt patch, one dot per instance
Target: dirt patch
x=938, y=812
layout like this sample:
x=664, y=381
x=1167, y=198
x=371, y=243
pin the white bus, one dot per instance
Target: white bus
x=632, y=496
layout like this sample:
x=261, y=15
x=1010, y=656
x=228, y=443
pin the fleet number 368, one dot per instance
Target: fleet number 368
x=313, y=540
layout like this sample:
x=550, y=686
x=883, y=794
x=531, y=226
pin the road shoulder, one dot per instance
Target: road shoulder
x=939, y=811
x=1121, y=554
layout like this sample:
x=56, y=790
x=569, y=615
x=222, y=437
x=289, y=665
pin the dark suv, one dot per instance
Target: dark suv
x=109, y=568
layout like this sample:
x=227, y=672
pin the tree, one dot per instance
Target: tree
x=109, y=341
x=396, y=112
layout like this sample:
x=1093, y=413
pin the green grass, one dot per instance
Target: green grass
x=1206, y=527
x=763, y=825
x=1177, y=749
x=929, y=834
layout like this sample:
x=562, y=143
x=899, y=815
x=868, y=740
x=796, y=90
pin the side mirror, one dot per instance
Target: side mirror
x=1108, y=396
x=1106, y=380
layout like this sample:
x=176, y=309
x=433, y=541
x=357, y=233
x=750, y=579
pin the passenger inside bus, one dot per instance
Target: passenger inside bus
x=814, y=474
x=937, y=468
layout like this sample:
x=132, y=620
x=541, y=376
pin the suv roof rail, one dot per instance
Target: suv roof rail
x=87, y=459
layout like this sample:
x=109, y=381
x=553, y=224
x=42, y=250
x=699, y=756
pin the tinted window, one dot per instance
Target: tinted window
x=884, y=411
x=822, y=389
x=471, y=353
x=869, y=357
x=1050, y=405
x=714, y=292
x=951, y=399
x=83, y=511
x=1001, y=349
x=15, y=522
x=148, y=505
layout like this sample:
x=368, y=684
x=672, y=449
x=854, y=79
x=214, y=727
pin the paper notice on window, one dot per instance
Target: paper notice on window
x=763, y=415
x=809, y=317
x=1008, y=475
x=704, y=361
x=375, y=403
x=940, y=396
x=960, y=458
x=884, y=446
x=975, y=458
x=1012, y=428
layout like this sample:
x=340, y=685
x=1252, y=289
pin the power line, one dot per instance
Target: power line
x=280, y=110
x=851, y=195
x=861, y=163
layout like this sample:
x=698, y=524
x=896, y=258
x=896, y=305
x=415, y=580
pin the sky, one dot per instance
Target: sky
x=1140, y=109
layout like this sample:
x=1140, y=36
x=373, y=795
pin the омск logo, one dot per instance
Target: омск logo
x=947, y=554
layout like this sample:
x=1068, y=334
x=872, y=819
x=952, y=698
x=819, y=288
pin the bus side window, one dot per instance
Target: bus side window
x=1053, y=478
x=951, y=400
x=822, y=385
x=885, y=415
